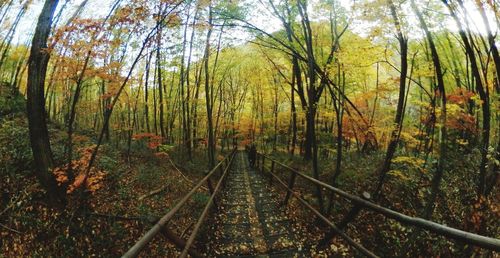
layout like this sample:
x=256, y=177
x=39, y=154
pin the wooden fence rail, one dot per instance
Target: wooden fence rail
x=162, y=223
x=449, y=232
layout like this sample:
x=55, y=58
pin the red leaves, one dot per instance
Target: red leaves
x=460, y=96
x=460, y=119
x=463, y=122
x=246, y=141
x=153, y=140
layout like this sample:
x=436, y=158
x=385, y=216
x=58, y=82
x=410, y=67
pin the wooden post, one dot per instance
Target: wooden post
x=291, y=183
x=179, y=242
x=262, y=164
x=211, y=190
x=221, y=168
x=270, y=174
x=342, y=224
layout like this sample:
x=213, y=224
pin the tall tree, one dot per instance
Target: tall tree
x=39, y=135
x=209, y=92
x=398, y=119
x=440, y=91
x=483, y=92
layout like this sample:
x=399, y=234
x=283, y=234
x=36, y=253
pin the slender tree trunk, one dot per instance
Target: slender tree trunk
x=338, y=105
x=72, y=116
x=131, y=129
x=293, y=111
x=189, y=139
x=182, y=84
x=5, y=46
x=146, y=93
x=160, y=87
x=7, y=8
x=398, y=120
x=155, y=108
x=275, y=114
x=105, y=111
x=208, y=95
x=483, y=95
x=438, y=175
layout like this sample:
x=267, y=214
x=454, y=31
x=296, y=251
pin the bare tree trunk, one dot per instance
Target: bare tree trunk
x=39, y=135
x=72, y=116
x=438, y=175
x=398, y=120
x=146, y=93
x=275, y=115
x=182, y=85
x=189, y=139
x=6, y=43
x=483, y=95
x=160, y=87
x=293, y=111
x=208, y=95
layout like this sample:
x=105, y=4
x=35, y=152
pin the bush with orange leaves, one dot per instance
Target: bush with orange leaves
x=91, y=181
x=153, y=140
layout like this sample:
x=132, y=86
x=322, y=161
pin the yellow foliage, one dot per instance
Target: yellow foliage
x=398, y=173
x=412, y=161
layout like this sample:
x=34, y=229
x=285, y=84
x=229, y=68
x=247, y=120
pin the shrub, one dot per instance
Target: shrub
x=15, y=149
x=11, y=101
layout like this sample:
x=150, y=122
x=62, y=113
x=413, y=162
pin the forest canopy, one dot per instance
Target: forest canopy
x=398, y=100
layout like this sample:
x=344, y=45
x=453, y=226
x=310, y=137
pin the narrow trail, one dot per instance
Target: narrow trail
x=251, y=222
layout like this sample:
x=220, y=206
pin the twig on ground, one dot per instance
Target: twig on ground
x=10, y=229
x=180, y=172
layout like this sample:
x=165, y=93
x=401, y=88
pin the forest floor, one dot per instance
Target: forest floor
x=405, y=189
x=111, y=219
x=117, y=214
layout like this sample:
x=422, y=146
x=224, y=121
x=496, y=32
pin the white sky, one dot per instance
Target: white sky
x=259, y=16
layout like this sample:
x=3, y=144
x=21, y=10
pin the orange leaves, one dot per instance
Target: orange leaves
x=79, y=180
x=463, y=122
x=460, y=96
x=173, y=20
x=246, y=141
x=161, y=154
x=92, y=181
x=107, y=96
x=154, y=144
x=458, y=118
x=153, y=140
x=60, y=175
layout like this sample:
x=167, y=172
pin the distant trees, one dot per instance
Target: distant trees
x=172, y=71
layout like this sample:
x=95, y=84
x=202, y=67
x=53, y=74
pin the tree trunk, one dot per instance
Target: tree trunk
x=208, y=96
x=483, y=95
x=39, y=135
x=438, y=175
x=293, y=109
x=160, y=88
x=146, y=93
x=398, y=120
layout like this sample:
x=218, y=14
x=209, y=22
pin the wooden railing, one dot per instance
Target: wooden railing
x=161, y=226
x=449, y=232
